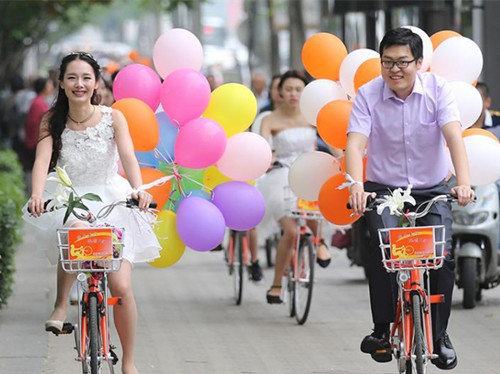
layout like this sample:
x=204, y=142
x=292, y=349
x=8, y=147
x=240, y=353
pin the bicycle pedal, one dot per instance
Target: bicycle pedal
x=114, y=357
x=382, y=355
x=68, y=328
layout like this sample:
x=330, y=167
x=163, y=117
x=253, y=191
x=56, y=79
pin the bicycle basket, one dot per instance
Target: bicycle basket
x=297, y=207
x=93, y=249
x=412, y=247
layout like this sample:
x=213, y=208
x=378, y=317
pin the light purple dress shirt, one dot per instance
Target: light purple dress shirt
x=405, y=142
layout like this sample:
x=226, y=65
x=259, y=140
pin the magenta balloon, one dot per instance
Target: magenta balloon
x=185, y=94
x=200, y=224
x=199, y=144
x=241, y=204
x=139, y=82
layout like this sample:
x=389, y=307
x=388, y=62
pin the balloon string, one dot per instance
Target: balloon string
x=160, y=156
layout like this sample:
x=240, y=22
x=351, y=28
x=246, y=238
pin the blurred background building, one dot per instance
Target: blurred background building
x=240, y=37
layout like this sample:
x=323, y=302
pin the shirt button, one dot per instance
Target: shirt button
x=409, y=160
x=407, y=142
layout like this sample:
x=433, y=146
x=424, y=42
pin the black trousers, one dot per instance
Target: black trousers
x=383, y=286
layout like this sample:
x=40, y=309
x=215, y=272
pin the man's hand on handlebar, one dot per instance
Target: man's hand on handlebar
x=464, y=194
x=358, y=197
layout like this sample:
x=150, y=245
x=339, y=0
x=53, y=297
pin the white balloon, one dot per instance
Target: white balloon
x=457, y=59
x=481, y=152
x=309, y=172
x=428, y=49
x=469, y=102
x=317, y=94
x=349, y=66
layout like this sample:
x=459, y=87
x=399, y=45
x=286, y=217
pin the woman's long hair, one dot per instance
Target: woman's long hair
x=58, y=113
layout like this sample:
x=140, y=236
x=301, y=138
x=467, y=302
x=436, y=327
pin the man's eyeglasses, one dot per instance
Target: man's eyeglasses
x=387, y=64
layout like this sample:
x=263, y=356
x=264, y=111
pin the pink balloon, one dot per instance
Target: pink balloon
x=177, y=49
x=199, y=144
x=184, y=95
x=247, y=157
x=139, y=82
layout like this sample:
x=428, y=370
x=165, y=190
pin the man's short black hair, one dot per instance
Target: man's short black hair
x=483, y=88
x=40, y=84
x=403, y=36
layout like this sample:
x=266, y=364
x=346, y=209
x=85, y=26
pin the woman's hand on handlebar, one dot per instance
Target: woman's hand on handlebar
x=464, y=194
x=144, y=198
x=36, y=206
x=358, y=197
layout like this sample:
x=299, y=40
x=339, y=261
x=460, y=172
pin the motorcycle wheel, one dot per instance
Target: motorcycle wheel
x=470, y=282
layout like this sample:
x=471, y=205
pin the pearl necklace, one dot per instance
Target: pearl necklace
x=83, y=121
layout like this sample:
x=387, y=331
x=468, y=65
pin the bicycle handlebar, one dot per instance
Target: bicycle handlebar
x=129, y=203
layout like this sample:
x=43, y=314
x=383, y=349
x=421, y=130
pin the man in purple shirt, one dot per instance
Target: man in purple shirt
x=404, y=118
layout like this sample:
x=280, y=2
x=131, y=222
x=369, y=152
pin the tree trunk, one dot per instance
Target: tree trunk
x=196, y=18
x=297, y=33
x=252, y=22
x=274, y=51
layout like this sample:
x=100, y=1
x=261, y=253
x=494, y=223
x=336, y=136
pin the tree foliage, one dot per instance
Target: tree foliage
x=25, y=23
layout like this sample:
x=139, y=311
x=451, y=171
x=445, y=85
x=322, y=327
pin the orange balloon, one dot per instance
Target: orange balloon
x=470, y=132
x=474, y=83
x=343, y=170
x=322, y=55
x=112, y=66
x=440, y=36
x=145, y=61
x=367, y=71
x=142, y=123
x=160, y=193
x=333, y=202
x=332, y=122
x=134, y=55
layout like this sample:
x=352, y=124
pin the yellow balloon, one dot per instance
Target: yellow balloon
x=233, y=106
x=213, y=177
x=172, y=246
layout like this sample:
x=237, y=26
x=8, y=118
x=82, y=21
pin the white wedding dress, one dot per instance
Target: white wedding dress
x=288, y=145
x=90, y=158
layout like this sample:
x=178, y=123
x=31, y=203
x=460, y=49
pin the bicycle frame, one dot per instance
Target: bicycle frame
x=93, y=286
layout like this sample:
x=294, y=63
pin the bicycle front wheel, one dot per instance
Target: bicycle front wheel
x=303, y=285
x=238, y=267
x=418, y=338
x=94, y=335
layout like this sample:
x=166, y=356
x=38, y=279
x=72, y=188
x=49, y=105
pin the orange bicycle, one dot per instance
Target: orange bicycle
x=411, y=252
x=300, y=275
x=92, y=253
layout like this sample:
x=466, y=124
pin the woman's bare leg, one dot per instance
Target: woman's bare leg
x=284, y=252
x=125, y=315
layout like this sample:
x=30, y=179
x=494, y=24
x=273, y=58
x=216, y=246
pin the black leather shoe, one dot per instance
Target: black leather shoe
x=447, y=359
x=377, y=346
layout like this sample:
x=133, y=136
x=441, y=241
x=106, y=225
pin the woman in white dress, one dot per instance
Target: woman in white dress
x=291, y=136
x=87, y=140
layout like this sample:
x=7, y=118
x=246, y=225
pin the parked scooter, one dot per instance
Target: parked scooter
x=475, y=244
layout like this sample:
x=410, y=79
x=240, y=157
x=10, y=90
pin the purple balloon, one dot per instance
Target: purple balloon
x=200, y=224
x=242, y=204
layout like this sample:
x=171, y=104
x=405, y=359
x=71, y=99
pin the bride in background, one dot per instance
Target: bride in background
x=291, y=136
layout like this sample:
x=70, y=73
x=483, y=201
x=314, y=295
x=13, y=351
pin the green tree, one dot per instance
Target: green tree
x=25, y=23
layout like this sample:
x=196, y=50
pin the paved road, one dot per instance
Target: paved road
x=189, y=325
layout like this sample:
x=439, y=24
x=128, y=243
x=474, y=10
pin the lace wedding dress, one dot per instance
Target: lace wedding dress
x=90, y=157
x=288, y=145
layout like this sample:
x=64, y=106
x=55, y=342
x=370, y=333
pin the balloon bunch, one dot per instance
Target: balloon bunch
x=197, y=136
x=327, y=101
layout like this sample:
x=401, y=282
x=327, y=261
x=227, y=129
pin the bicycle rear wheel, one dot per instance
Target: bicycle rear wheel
x=418, y=338
x=303, y=284
x=94, y=335
x=237, y=267
x=291, y=292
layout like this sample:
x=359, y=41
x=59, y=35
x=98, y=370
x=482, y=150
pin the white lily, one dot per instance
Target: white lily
x=62, y=177
x=396, y=201
x=60, y=197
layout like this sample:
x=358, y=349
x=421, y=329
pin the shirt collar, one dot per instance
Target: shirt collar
x=417, y=88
